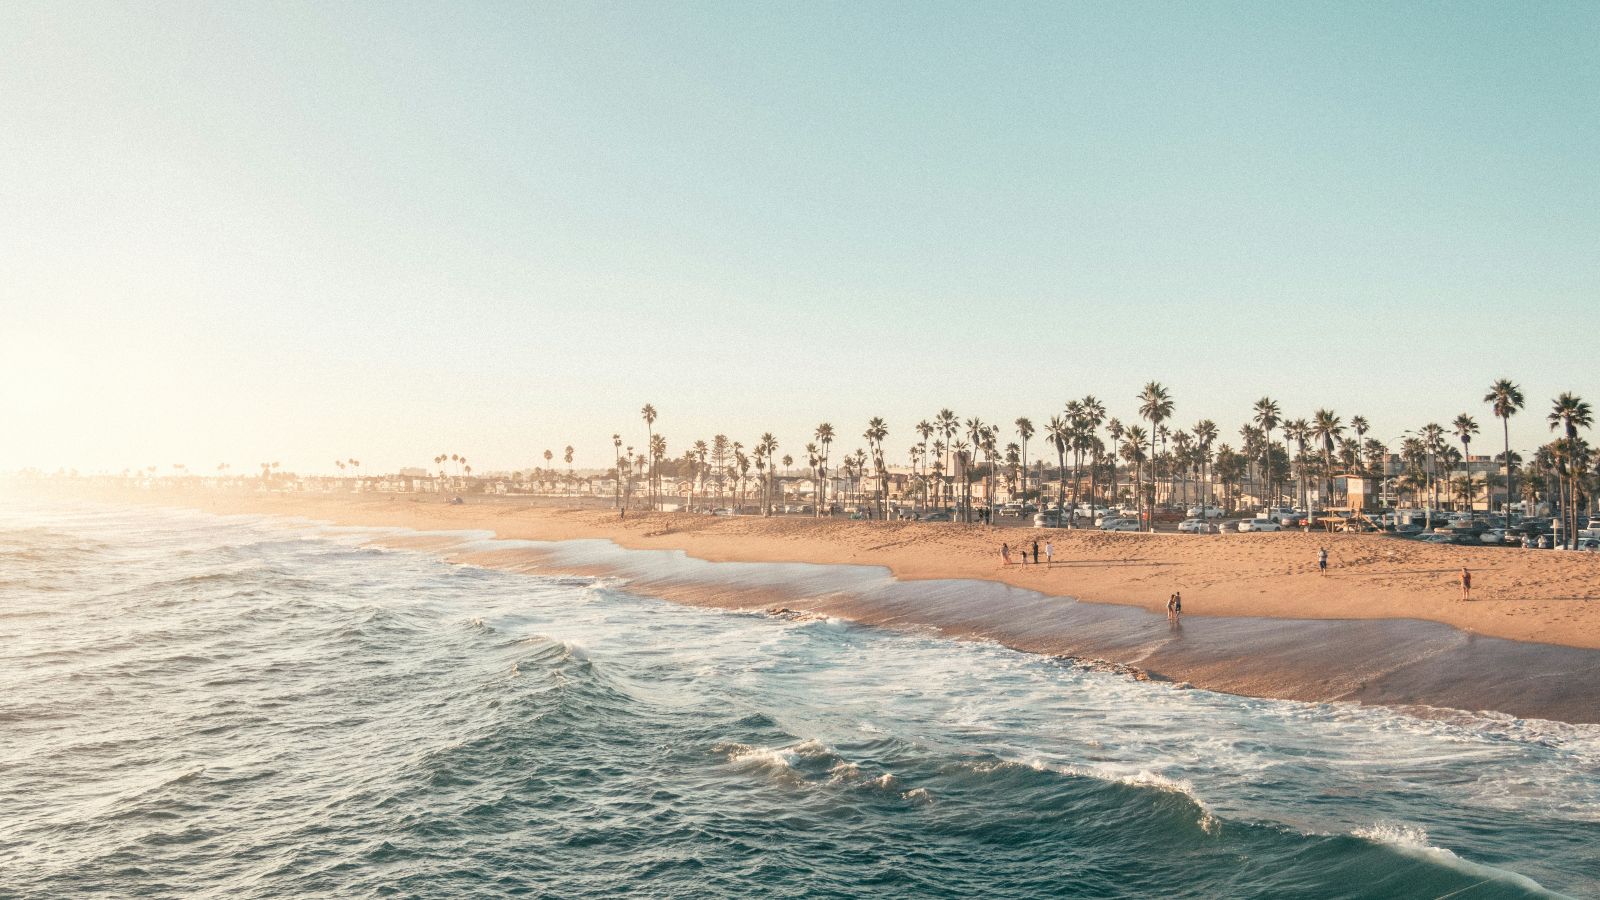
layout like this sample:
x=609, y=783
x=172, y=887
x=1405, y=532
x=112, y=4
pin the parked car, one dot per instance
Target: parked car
x=1120, y=525
x=1248, y=525
x=935, y=516
x=1204, y=512
x=1194, y=526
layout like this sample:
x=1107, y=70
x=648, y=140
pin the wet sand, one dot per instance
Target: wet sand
x=1258, y=618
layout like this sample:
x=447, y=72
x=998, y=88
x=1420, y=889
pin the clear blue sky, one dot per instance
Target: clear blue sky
x=239, y=232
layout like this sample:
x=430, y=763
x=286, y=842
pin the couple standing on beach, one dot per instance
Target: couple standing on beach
x=1049, y=553
x=1175, y=605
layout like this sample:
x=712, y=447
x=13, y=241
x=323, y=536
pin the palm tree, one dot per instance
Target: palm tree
x=1205, y=434
x=616, y=458
x=1570, y=412
x=1505, y=398
x=975, y=429
x=1059, y=433
x=1465, y=428
x=1094, y=414
x=649, y=415
x=1155, y=405
x=1433, y=442
x=1115, y=429
x=1266, y=417
x=1299, y=431
x=1134, y=455
x=947, y=424
x=1326, y=427
x=657, y=453
x=925, y=431
x=1024, y=431
x=767, y=446
x=814, y=461
x=824, y=436
x=876, y=431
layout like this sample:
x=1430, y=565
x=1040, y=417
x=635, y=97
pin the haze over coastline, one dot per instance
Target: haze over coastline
x=298, y=232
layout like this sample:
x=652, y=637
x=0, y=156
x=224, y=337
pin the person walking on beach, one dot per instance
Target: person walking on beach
x=1036, y=553
x=1005, y=553
x=1466, y=584
x=1322, y=560
x=1049, y=553
x=1177, y=602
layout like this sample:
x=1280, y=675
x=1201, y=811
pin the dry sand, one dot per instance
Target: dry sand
x=1385, y=625
x=1542, y=596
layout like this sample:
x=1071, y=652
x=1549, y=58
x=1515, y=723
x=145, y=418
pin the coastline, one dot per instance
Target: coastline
x=1384, y=627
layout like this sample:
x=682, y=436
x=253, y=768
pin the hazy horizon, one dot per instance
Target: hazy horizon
x=302, y=232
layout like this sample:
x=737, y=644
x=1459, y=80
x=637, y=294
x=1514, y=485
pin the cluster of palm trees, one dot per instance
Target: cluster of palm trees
x=1278, y=459
x=462, y=470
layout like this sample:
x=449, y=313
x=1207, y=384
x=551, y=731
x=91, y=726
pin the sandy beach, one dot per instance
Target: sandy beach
x=1541, y=596
x=1386, y=625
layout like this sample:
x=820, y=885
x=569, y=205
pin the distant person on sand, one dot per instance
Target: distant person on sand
x=1322, y=560
x=1005, y=553
x=1049, y=552
x=1466, y=584
x=1036, y=553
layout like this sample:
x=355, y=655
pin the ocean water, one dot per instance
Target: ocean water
x=199, y=706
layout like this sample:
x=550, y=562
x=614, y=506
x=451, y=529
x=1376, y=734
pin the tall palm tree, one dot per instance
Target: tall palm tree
x=1570, y=412
x=1059, y=433
x=1433, y=443
x=1094, y=415
x=1205, y=434
x=925, y=431
x=947, y=424
x=616, y=458
x=1465, y=428
x=814, y=460
x=1299, y=431
x=824, y=435
x=1506, y=399
x=1326, y=427
x=1155, y=406
x=767, y=446
x=1133, y=454
x=1266, y=416
x=649, y=415
x=1024, y=431
x=658, y=455
x=975, y=429
x=1075, y=443
x=1117, y=432
x=876, y=431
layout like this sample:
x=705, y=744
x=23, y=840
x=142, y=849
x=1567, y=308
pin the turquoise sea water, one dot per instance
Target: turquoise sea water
x=195, y=706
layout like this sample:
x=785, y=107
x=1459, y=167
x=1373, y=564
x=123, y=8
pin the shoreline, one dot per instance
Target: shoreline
x=1418, y=649
x=1538, y=596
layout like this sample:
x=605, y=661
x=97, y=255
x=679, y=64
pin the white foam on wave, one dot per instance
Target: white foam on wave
x=1139, y=778
x=1412, y=840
